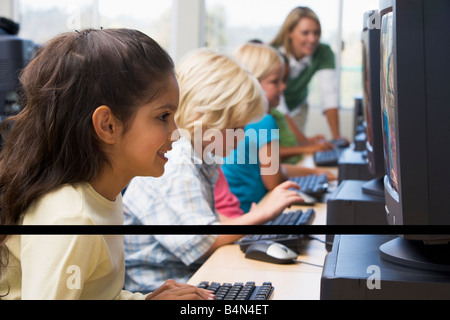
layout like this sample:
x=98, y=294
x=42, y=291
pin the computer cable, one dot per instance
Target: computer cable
x=320, y=240
x=311, y=264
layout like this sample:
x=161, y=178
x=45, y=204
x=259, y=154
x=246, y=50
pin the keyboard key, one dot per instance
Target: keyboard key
x=313, y=185
x=239, y=291
x=326, y=158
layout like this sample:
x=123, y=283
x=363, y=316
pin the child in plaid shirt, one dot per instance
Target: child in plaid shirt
x=217, y=96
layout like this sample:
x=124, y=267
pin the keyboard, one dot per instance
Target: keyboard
x=239, y=290
x=327, y=158
x=340, y=143
x=292, y=241
x=314, y=185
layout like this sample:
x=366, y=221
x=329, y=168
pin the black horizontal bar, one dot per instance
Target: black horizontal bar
x=221, y=229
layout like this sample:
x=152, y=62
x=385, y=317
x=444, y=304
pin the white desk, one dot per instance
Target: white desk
x=291, y=282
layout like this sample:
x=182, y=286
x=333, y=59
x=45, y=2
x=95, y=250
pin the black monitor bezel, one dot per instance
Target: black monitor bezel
x=416, y=202
x=372, y=107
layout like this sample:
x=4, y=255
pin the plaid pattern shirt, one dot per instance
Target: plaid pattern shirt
x=184, y=195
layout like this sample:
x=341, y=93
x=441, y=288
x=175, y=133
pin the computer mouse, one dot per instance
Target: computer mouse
x=308, y=200
x=270, y=251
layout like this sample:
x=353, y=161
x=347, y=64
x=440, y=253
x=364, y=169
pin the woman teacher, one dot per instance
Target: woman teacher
x=299, y=40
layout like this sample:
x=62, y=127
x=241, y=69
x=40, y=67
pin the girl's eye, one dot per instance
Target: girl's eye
x=164, y=117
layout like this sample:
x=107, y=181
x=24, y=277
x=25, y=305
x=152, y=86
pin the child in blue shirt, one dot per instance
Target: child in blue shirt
x=254, y=167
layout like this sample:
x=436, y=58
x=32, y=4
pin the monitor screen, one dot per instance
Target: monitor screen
x=371, y=96
x=366, y=89
x=388, y=101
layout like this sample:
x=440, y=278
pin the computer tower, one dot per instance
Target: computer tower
x=354, y=270
x=353, y=165
x=350, y=205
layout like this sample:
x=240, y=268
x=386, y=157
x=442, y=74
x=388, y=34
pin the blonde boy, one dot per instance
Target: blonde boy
x=216, y=95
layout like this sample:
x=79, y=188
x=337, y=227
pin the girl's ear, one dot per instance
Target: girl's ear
x=105, y=124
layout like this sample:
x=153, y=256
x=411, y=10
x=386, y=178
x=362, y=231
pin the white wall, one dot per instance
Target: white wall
x=317, y=123
x=8, y=9
x=187, y=27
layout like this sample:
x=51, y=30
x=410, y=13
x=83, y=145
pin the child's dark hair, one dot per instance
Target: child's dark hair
x=52, y=141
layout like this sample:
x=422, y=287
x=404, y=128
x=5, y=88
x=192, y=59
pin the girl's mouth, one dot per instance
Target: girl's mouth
x=162, y=154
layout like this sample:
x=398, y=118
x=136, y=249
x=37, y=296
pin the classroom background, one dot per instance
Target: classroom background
x=183, y=25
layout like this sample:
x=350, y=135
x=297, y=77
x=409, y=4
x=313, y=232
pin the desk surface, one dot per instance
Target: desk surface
x=292, y=282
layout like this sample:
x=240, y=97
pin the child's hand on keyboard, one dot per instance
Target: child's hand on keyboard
x=321, y=145
x=277, y=200
x=172, y=290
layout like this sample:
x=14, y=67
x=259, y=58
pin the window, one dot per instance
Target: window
x=152, y=17
x=351, y=57
x=229, y=23
x=41, y=20
x=233, y=22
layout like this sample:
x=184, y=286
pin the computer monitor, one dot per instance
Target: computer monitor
x=415, y=82
x=415, y=98
x=370, y=40
x=15, y=53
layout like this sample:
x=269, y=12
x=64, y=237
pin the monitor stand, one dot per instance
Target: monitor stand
x=350, y=205
x=435, y=257
x=356, y=270
x=353, y=165
x=374, y=187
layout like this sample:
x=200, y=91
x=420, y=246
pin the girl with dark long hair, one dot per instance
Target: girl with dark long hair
x=99, y=110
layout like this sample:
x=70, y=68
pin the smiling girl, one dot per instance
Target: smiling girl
x=99, y=111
